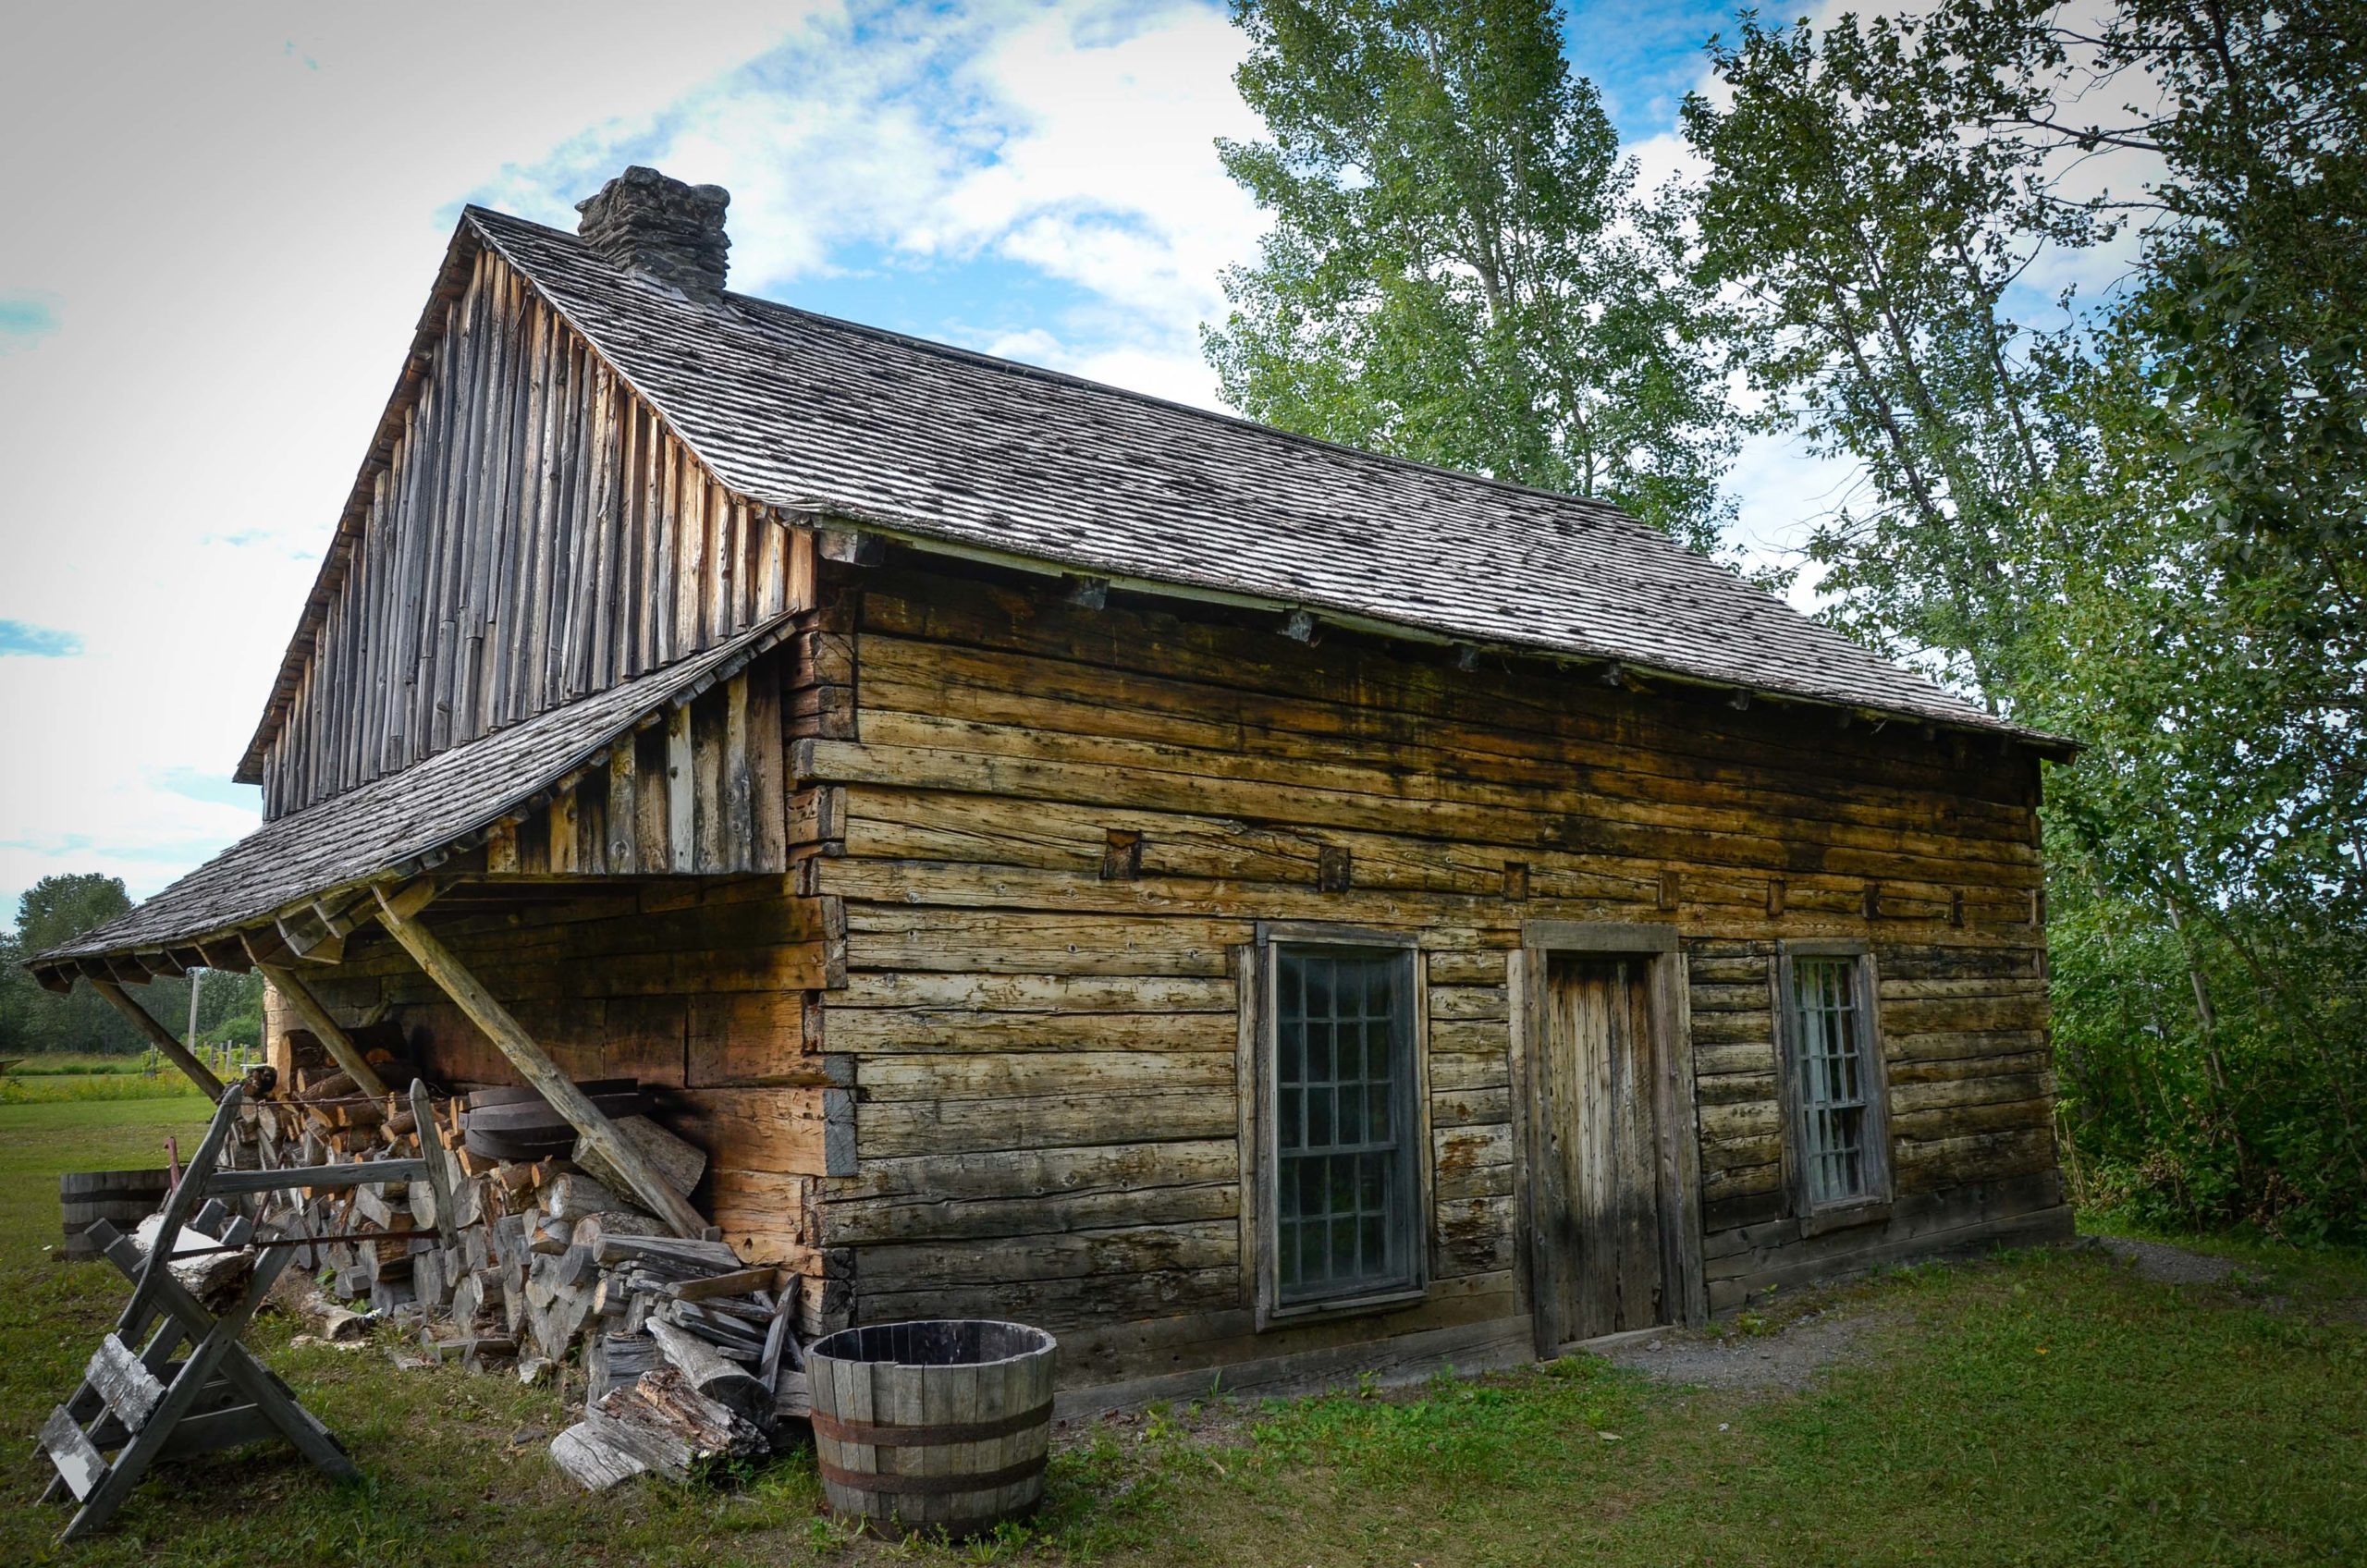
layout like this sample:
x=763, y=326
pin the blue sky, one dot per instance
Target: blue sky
x=229, y=218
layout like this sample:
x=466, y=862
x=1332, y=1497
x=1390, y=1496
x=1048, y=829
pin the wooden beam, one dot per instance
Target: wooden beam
x=160, y=1038
x=325, y=1029
x=309, y=938
x=228, y=954
x=407, y=900
x=537, y=1068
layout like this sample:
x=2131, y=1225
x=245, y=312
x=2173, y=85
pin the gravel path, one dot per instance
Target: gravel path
x=1787, y=1360
x=2169, y=1264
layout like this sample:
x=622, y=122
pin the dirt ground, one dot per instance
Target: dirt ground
x=1785, y=1357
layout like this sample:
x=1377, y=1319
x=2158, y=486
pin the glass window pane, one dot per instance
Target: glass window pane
x=1340, y=1047
x=1833, y=1077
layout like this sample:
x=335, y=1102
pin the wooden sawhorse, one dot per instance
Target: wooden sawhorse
x=144, y=1405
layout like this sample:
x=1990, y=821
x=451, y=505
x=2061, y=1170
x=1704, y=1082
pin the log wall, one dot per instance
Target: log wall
x=695, y=987
x=1054, y=828
x=532, y=533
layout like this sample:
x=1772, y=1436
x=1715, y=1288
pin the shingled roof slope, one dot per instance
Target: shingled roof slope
x=919, y=440
x=378, y=827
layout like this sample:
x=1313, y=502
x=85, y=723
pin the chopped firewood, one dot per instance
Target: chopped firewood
x=377, y=1206
x=584, y=1454
x=592, y=1227
x=663, y=1421
x=679, y=1163
x=429, y=1280
x=685, y=1257
x=614, y=1360
x=548, y=1233
x=573, y=1196
x=739, y=1282
x=212, y=1275
x=718, y=1380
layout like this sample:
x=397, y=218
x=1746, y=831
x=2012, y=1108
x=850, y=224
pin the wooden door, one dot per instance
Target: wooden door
x=1598, y=1251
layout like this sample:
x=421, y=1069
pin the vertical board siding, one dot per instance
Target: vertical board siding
x=1045, y=1057
x=536, y=535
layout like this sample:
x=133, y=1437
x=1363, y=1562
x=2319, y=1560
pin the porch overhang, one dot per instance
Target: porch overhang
x=296, y=888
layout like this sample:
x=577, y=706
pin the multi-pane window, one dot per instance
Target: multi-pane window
x=1836, y=1083
x=1344, y=1181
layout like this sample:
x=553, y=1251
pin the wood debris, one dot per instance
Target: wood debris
x=688, y=1353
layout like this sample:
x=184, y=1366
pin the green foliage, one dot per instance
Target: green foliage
x=1461, y=270
x=2146, y=527
x=56, y=910
x=1871, y=247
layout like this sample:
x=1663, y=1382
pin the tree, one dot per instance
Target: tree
x=52, y=911
x=1461, y=270
x=1871, y=247
x=2143, y=528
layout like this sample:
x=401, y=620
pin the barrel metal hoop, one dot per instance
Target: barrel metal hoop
x=932, y=1486
x=876, y=1433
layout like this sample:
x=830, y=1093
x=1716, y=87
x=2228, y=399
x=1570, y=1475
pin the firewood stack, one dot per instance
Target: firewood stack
x=688, y=1353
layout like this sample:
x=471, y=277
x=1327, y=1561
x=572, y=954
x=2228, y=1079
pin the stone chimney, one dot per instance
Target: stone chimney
x=662, y=229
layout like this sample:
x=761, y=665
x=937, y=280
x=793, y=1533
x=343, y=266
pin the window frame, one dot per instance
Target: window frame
x=1258, y=1068
x=1875, y=1206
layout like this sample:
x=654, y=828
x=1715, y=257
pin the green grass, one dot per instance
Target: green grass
x=64, y=1087
x=2041, y=1409
x=53, y=1064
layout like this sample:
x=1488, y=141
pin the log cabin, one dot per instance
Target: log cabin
x=1263, y=910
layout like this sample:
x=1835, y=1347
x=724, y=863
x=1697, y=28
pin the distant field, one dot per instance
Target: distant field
x=68, y=1082
x=49, y=1064
x=2047, y=1408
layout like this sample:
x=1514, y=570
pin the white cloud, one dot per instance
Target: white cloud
x=1074, y=140
x=235, y=210
x=232, y=212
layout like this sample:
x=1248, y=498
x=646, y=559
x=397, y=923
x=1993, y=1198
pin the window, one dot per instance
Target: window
x=1840, y=1153
x=1342, y=1180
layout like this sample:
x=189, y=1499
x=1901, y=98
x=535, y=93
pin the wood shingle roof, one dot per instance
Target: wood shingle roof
x=827, y=420
x=397, y=823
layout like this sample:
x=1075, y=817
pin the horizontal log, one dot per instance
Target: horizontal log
x=1007, y=1075
x=887, y=1128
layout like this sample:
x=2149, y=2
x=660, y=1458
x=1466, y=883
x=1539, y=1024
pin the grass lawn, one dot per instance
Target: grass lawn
x=2042, y=1408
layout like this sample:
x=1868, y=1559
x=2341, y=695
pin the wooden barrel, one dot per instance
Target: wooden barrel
x=941, y=1424
x=126, y=1197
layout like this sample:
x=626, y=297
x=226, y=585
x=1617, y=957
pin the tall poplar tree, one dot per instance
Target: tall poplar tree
x=1460, y=269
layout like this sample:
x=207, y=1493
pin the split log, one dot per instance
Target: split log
x=720, y=1380
x=592, y=1460
x=690, y=1257
x=671, y=1428
x=574, y=1196
x=593, y=1226
x=210, y=1277
x=680, y=1163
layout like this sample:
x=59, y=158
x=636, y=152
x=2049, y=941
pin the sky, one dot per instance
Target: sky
x=223, y=220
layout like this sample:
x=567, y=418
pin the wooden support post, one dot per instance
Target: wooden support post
x=160, y=1038
x=325, y=1028
x=537, y=1068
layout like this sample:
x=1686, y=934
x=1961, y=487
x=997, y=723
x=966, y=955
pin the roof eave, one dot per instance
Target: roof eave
x=823, y=515
x=716, y=665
